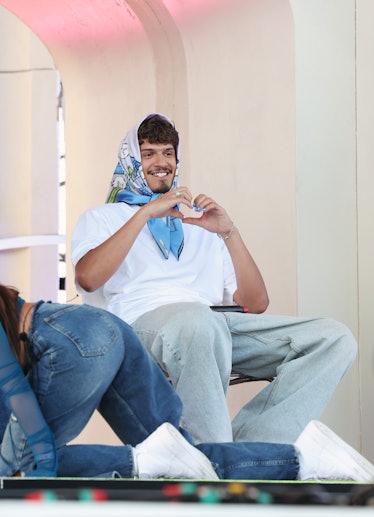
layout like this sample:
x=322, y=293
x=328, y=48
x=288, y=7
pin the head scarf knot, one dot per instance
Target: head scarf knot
x=129, y=185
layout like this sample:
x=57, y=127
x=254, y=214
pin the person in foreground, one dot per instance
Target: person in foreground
x=160, y=272
x=58, y=363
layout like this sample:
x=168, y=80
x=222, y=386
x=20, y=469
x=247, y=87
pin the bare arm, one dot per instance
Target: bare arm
x=99, y=264
x=251, y=291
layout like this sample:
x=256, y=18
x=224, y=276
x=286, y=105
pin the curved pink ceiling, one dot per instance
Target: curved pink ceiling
x=69, y=22
x=72, y=22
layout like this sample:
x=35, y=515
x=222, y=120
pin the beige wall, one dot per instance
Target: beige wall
x=335, y=185
x=326, y=180
x=272, y=100
x=365, y=216
x=28, y=159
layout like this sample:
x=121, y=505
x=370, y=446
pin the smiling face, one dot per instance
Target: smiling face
x=159, y=165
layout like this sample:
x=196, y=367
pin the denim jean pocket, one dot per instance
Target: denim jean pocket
x=93, y=331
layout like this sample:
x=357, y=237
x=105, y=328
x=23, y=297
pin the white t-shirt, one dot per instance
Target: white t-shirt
x=146, y=280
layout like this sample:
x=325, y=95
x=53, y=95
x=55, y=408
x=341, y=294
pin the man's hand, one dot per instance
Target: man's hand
x=164, y=205
x=214, y=218
x=251, y=290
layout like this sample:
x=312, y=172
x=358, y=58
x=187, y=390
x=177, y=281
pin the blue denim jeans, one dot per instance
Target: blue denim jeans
x=82, y=359
x=85, y=358
x=198, y=348
x=239, y=460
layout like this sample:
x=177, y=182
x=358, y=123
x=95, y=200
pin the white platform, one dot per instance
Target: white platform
x=134, y=509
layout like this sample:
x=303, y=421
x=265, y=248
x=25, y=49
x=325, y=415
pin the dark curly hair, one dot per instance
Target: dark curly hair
x=157, y=130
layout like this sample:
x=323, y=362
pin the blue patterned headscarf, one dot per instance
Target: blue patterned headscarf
x=129, y=185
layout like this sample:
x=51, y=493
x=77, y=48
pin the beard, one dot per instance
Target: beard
x=164, y=184
x=161, y=189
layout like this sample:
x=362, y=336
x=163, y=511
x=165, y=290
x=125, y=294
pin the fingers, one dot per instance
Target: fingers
x=182, y=195
x=168, y=204
x=173, y=212
x=203, y=203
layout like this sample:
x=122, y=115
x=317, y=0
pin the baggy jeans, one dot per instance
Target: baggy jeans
x=198, y=347
x=85, y=358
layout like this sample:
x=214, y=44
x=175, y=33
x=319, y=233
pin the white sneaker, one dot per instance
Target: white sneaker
x=323, y=455
x=167, y=454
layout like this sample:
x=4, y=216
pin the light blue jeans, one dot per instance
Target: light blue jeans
x=85, y=358
x=198, y=348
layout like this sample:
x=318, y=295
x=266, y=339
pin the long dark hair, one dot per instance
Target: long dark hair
x=9, y=317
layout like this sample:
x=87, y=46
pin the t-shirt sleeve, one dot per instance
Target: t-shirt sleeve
x=86, y=235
